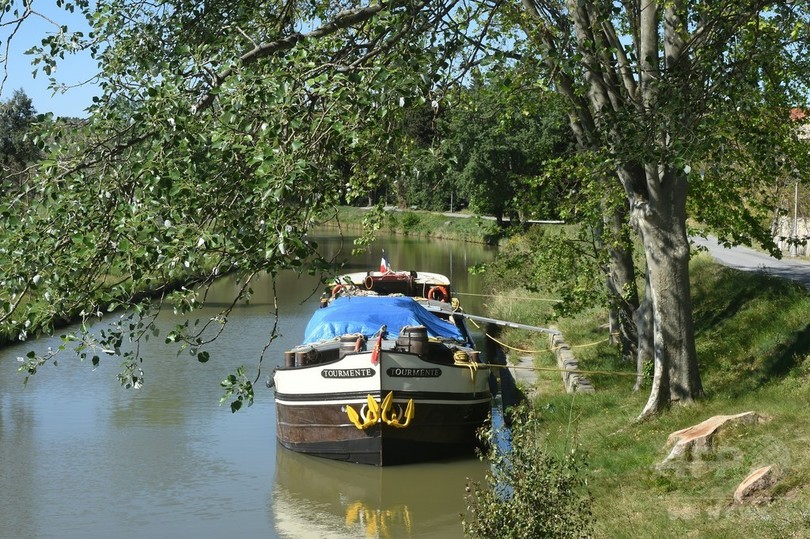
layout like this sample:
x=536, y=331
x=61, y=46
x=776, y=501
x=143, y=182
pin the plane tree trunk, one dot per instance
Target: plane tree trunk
x=621, y=282
x=619, y=106
x=662, y=225
x=644, y=326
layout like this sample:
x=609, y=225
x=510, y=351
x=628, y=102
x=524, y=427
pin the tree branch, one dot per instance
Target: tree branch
x=342, y=20
x=625, y=69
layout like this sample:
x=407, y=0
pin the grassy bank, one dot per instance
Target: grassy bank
x=422, y=224
x=753, y=340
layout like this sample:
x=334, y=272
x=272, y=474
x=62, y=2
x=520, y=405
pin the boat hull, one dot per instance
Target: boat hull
x=450, y=403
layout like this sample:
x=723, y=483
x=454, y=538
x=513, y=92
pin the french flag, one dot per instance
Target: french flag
x=384, y=266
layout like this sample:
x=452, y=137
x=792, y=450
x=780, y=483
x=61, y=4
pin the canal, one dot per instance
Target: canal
x=80, y=456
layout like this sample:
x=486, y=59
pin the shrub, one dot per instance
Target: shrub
x=410, y=221
x=528, y=492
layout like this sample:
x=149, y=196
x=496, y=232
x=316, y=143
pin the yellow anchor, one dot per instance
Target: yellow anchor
x=372, y=415
x=387, y=406
x=384, y=412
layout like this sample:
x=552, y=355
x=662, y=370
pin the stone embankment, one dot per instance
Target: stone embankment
x=573, y=380
x=525, y=373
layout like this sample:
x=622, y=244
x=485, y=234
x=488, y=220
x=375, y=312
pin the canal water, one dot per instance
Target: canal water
x=82, y=457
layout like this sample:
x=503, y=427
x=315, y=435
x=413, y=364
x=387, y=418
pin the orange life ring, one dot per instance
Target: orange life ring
x=438, y=293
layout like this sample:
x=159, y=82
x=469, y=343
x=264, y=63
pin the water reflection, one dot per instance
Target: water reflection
x=316, y=497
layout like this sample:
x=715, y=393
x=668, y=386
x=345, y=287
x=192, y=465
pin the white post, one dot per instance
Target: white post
x=794, y=248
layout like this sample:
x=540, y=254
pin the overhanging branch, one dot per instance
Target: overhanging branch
x=342, y=20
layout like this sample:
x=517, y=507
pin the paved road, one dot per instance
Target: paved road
x=746, y=259
x=741, y=258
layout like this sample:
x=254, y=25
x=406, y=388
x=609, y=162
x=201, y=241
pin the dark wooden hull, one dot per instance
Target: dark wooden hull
x=449, y=409
x=438, y=431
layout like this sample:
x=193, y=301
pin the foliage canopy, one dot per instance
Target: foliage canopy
x=212, y=149
x=224, y=130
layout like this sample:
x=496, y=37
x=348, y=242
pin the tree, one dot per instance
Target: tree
x=653, y=84
x=424, y=181
x=213, y=146
x=211, y=150
x=500, y=136
x=17, y=147
x=589, y=264
x=508, y=144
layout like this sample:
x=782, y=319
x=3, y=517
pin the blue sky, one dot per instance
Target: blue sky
x=70, y=71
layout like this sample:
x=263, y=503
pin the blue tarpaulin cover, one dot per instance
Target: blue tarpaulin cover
x=366, y=314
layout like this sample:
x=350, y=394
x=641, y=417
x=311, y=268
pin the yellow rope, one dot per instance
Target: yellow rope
x=552, y=369
x=539, y=351
x=546, y=349
x=461, y=358
x=556, y=369
x=517, y=349
x=588, y=344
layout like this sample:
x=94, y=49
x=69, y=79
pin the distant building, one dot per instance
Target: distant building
x=792, y=234
x=793, y=241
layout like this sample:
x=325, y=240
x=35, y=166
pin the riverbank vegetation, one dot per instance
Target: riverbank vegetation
x=464, y=226
x=754, y=352
x=753, y=348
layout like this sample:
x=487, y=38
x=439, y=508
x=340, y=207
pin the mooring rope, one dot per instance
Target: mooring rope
x=557, y=369
x=552, y=349
x=550, y=300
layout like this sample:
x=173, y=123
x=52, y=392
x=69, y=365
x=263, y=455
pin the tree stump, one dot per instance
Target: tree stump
x=754, y=488
x=698, y=438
